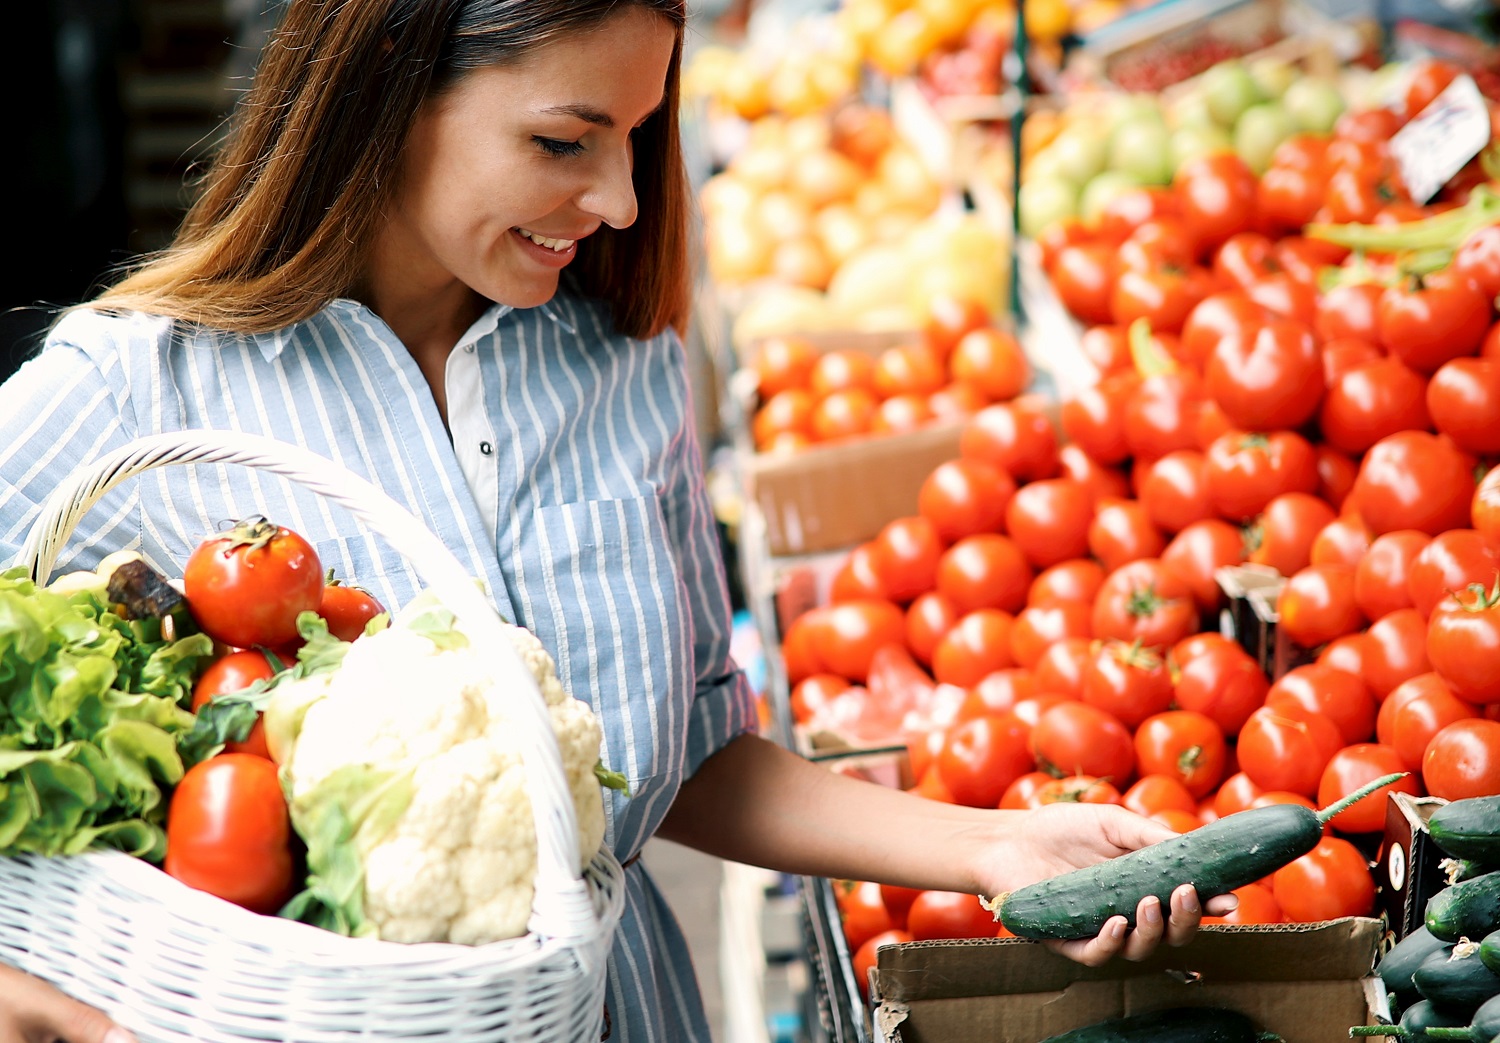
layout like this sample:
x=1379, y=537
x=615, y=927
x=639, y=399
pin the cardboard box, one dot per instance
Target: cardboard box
x=1306, y=982
x=1407, y=872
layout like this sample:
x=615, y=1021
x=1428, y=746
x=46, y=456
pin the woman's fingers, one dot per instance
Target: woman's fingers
x=1175, y=927
x=1186, y=911
x=1094, y=952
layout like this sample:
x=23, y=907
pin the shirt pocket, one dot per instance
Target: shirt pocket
x=366, y=560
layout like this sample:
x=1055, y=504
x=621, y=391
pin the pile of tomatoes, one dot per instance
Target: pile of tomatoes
x=228, y=829
x=1043, y=629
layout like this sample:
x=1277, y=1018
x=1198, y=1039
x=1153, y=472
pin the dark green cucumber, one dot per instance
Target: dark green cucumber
x=1489, y=951
x=1483, y=1027
x=1176, y=1025
x=1457, y=870
x=1424, y=1014
x=1397, y=966
x=1456, y=979
x=1468, y=828
x=1217, y=858
x=1470, y=909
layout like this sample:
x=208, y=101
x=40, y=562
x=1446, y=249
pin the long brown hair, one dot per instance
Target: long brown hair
x=291, y=204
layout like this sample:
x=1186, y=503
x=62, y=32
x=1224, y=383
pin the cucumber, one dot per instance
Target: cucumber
x=1230, y=852
x=1456, y=870
x=1489, y=951
x=1470, y=909
x=1456, y=979
x=1424, y=1014
x=1468, y=828
x=1484, y=1026
x=1397, y=966
x=1175, y=1025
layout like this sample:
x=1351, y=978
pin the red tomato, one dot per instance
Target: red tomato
x=907, y=369
x=1122, y=532
x=1339, y=696
x=947, y=914
x=1108, y=349
x=1076, y=789
x=1464, y=400
x=841, y=370
x=1021, y=794
x=1128, y=682
x=1463, y=760
x=1463, y=643
x=1015, y=438
x=1198, y=551
x=1103, y=483
x=901, y=412
x=1175, y=490
x=991, y=360
x=347, y=610
x=1195, y=645
x=1147, y=602
x=1478, y=258
x=1248, y=471
x=1283, y=536
x=958, y=401
x=1289, y=198
x=1484, y=509
x=1084, y=277
x=843, y=414
x=922, y=749
x=799, y=646
x=1336, y=474
x=1164, y=792
x=1285, y=297
x=1224, y=683
x=234, y=673
x=811, y=694
x=905, y=555
x=1394, y=651
x=1416, y=711
x=978, y=644
x=784, y=416
x=1177, y=821
x=1356, y=766
x=1346, y=653
x=1430, y=326
x=981, y=757
x=1078, y=739
x=1243, y=260
x=845, y=636
x=1317, y=605
x=1271, y=380
x=246, y=587
x=1380, y=579
x=1236, y=794
x=1452, y=561
x=1038, y=627
x=1429, y=77
x=1164, y=414
x=1049, y=520
x=1003, y=689
x=1218, y=316
x=1413, y=480
x=1076, y=580
x=858, y=579
x=1216, y=196
x=866, y=955
x=1062, y=667
x=1162, y=296
x=1343, y=541
x=928, y=618
x=948, y=319
x=865, y=915
x=1162, y=242
x=1345, y=355
x=965, y=497
x=1327, y=883
x=984, y=571
x=1257, y=905
x=229, y=832
x=1185, y=745
x=931, y=787
x=1348, y=311
x=1287, y=749
x=1132, y=208
x=1095, y=417
x=782, y=364
x=1374, y=401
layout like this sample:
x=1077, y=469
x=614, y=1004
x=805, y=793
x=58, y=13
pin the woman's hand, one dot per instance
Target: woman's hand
x=1058, y=838
x=31, y=1011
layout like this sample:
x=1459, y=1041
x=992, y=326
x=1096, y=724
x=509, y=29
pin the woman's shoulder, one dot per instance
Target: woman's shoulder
x=92, y=330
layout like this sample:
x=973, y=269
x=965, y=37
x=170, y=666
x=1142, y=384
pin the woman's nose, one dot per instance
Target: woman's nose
x=611, y=197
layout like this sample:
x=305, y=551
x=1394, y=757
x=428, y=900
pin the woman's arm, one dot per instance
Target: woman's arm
x=757, y=803
x=31, y=1011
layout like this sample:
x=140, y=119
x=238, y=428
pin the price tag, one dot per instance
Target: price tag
x=1444, y=136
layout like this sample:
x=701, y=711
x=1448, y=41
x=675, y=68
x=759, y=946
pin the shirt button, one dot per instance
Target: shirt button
x=469, y=348
x=486, y=449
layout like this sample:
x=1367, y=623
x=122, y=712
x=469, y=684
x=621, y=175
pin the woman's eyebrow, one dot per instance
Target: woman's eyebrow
x=587, y=113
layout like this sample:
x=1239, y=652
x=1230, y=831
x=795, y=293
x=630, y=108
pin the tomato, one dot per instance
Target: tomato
x=799, y=643
x=846, y=636
x=1452, y=561
x=1160, y=243
x=246, y=587
x=948, y=319
x=1224, y=684
x=1147, y=602
x=786, y=413
x=1336, y=474
x=1079, y=739
x=1329, y=882
x=1247, y=471
x=947, y=914
x=1084, y=277
x=812, y=693
x=1413, y=480
x=1373, y=125
x=1287, y=748
x=1195, y=645
x=1430, y=326
x=928, y=618
x=1049, y=520
x=1076, y=789
x=1463, y=398
x=1463, y=760
x=1288, y=198
x=229, y=832
x=984, y=571
x=866, y=956
x=1463, y=643
x=1374, y=401
x=1015, y=438
x=1380, y=584
x=1128, y=682
x=1197, y=552
x=1395, y=651
x=1175, y=490
x=858, y=579
x=1122, y=532
x=1283, y=535
x=1216, y=196
x=841, y=369
x=1108, y=349
x=1217, y=317
x=1162, y=296
x=965, y=497
x=1103, y=483
x=1342, y=356
x=1358, y=765
x=1343, y=541
x=1038, y=627
x=1185, y=745
x=1348, y=311
x=1478, y=258
x=1001, y=690
x=1094, y=418
x=978, y=644
x=930, y=787
x=1062, y=667
x=1317, y=605
x=1021, y=794
x=1236, y=794
x=1257, y=905
x=782, y=363
x=991, y=360
x=957, y=401
x=1078, y=579
x=907, y=369
x=1125, y=213
x=1416, y=711
x=865, y=915
x=1271, y=380
x=1285, y=298
x=981, y=757
x=1164, y=413
x=234, y=673
x=1428, y=78
x=1484, y=509
x=843, y=414
x=1178, y=821
x=1341, y=697
x=905, y=556
x=1305, y=260
x=1356, y=195
x=1161, y=792
x=901, y=413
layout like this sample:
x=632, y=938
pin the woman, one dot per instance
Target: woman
x=446, y=247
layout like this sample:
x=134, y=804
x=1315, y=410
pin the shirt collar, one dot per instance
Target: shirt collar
x=274, y=342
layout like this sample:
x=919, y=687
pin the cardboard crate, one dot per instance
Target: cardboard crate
x=1306, y=982
x=1408, y=870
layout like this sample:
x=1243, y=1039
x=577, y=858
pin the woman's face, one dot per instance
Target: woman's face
x=508, y=169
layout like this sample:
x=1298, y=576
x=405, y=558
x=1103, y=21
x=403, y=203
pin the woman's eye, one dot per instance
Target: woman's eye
x=554, y=147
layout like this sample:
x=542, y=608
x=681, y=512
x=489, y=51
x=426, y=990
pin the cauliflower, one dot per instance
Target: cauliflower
x=406, y=781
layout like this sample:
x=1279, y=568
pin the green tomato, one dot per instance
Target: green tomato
x=1314, y=105
x=1190, y=110
x=1044, y=203
x=1259, y=131
x=1099, y=191
x=1230, y=90
x=1143, y=148
x=1077, y=154
x=1194, y=141
x=1272, y=76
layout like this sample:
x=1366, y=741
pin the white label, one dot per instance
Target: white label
x=1444, y=136
x=1397, y=867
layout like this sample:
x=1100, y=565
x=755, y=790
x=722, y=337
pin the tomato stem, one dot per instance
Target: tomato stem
x=1360, y=794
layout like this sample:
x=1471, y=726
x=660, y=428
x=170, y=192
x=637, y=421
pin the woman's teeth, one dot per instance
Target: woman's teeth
x=541, y=240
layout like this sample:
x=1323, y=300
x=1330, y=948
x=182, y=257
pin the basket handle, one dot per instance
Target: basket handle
x=562, y=908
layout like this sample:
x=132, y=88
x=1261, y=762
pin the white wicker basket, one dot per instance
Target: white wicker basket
x=176, y=965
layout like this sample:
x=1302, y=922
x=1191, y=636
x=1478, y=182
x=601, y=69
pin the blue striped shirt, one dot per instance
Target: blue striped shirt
x=572, y=483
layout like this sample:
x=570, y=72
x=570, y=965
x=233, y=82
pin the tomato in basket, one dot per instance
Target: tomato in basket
x=347, y=609
x=234, y=673
x=246, y=586
x=229, y=832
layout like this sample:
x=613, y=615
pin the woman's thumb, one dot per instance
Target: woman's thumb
x=76, y=1022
